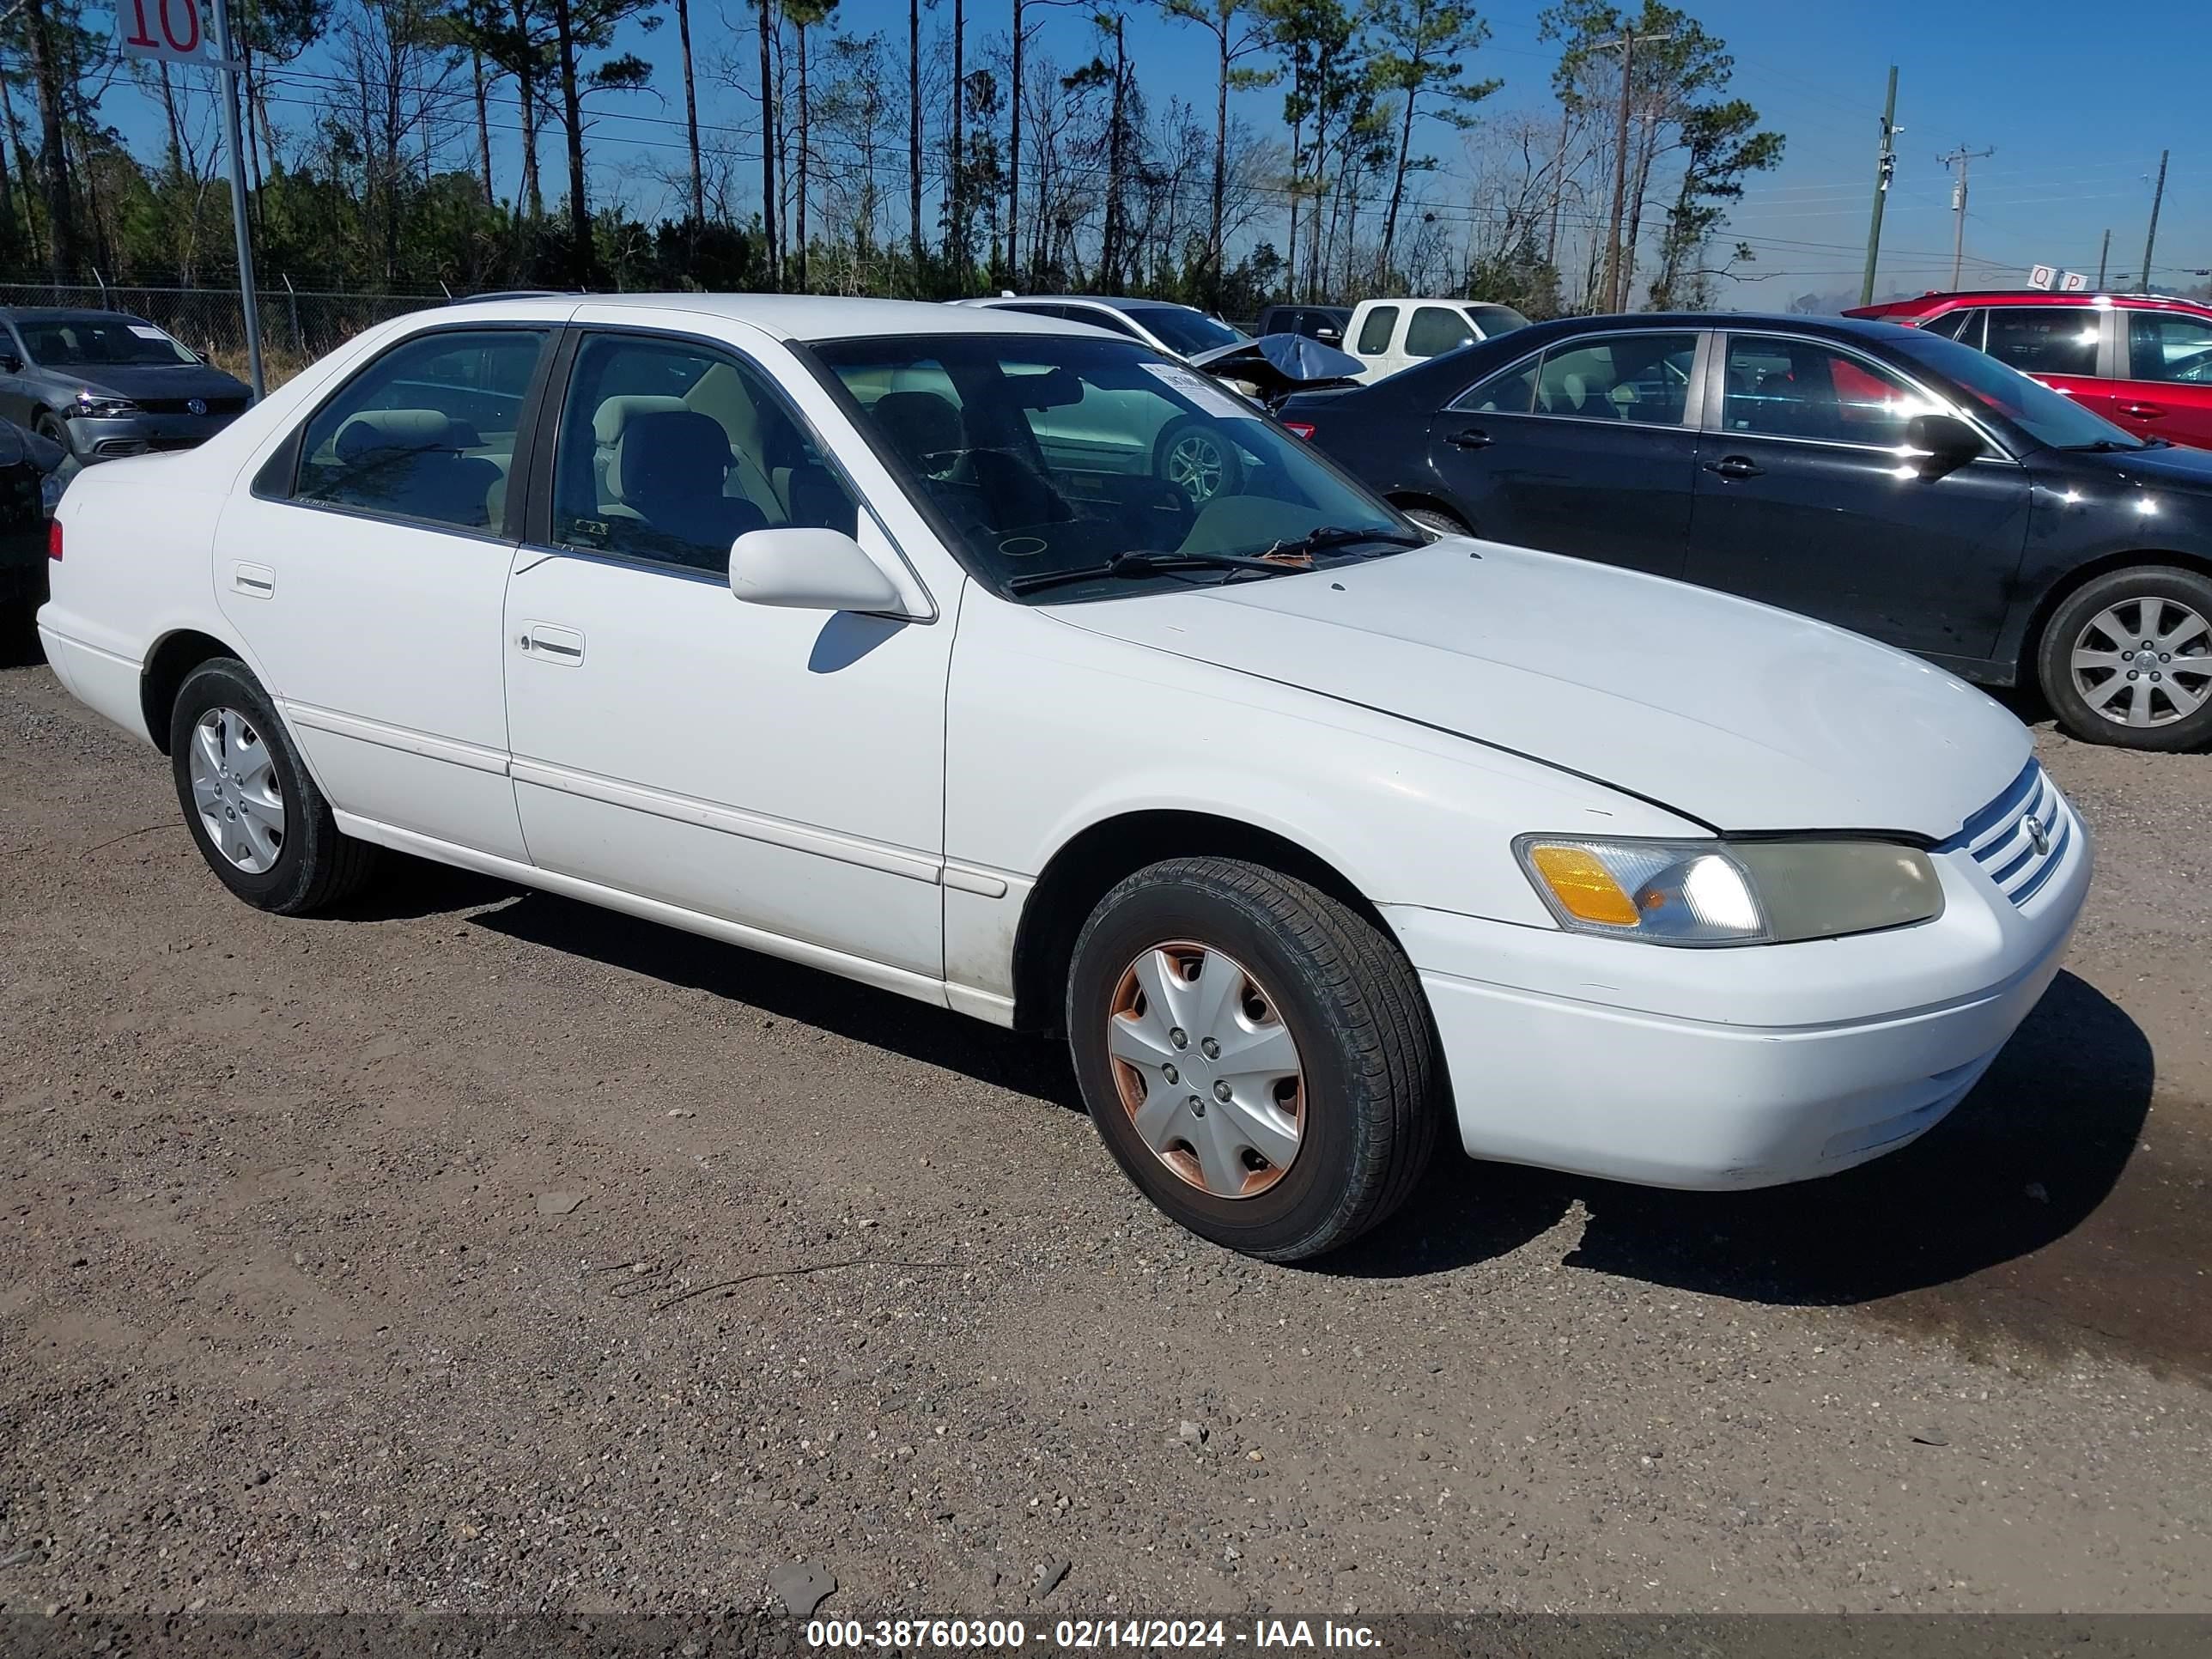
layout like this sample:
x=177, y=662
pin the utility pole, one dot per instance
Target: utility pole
x=2150, y=242
x=1616, y=285
x=1960, y=158
x=1885, y=167
x=2104, y=260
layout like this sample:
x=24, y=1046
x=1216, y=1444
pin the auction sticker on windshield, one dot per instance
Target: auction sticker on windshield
x=1206, y=393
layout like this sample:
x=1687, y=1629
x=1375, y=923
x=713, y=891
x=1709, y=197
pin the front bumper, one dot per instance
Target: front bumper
x=108, y=439
x=1734, y=1067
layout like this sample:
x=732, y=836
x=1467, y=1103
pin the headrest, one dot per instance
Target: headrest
x=615, y=413
x=660, y=451
x=399, y=430
x=919, y=424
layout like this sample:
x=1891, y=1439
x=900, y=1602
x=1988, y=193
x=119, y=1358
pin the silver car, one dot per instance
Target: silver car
x=103, y=383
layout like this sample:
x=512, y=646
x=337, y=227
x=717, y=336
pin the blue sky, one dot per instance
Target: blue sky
x=2077, y=104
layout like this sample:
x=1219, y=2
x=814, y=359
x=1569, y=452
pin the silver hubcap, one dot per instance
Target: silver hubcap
x=236, y=792
x=1207, y=1071
x=2144, y=662
x=1195, y=465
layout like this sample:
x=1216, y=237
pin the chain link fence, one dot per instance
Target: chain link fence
x=297, y=326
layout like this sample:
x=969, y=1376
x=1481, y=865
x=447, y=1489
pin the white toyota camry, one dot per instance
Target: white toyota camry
x=885, y=638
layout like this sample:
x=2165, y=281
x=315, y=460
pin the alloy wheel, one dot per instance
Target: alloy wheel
x=2144, y=662
x=1196, y=464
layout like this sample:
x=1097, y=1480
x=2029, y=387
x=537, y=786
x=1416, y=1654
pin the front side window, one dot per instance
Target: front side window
x=1436, y=330
x=669, y=451
x=2045, y=339
x=426, y=432
x=1801, y=389
x=2169, y=346
x=102, y=342
x=1639, y=378
x=1042, y=458
x=1375, y=333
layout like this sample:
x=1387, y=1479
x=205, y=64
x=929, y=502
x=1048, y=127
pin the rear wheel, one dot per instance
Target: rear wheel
x=2128, y=660
x=1254, y=1053
x=260, y=822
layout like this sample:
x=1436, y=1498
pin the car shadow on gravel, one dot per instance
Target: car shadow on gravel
x=2028, y=1162
x=883, y=1019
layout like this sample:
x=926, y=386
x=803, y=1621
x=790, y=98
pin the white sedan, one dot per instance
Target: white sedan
x=1314, y=832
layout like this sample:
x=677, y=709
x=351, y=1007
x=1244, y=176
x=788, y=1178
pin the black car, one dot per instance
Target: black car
x=103, y=383
x=1324, y=323
x=1877, y=476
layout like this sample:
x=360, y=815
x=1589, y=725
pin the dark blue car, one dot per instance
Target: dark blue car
x=1876, y=476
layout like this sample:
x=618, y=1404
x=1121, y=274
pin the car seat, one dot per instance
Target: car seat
x=670, y=467
x=414, y=462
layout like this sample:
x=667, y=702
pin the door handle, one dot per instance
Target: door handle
x=2142, y=411
x=561, y=647
x=256, y=581
x=1736, y=466
x=1472, y=437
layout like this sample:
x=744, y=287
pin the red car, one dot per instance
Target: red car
x=2143, y=361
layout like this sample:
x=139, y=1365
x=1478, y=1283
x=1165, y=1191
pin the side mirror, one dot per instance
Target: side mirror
x=807, y=569
x=1945, y=443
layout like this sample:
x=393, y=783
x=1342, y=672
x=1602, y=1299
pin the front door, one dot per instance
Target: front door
x=1806, y=499
x=1589, y=452
x=782, y=769
x=366, y=572
x=2167, y=391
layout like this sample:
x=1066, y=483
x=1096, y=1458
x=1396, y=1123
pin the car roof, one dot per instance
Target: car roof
x=1111, y=302
x=800, y=317
x=1953, y=298
x=65, y=315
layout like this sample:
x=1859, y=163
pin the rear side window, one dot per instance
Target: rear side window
x=1375, y=333
x=426, y=432
x=2044, y=339
x=1639, y=378
x=1510, y=393
x=1436, y=330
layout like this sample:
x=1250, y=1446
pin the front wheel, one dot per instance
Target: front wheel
x=1254, y=1053
x=259, y=822
x=1198, y=458
x=2127, y=659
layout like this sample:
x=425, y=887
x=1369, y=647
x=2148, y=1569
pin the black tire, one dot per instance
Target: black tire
x=316, y=867
x=1435, y=518
x=1373, y=1083
x=1166, y=465
x=48, y=425
x=2151, y=596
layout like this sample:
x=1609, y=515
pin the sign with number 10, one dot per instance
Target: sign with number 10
x=161, y=28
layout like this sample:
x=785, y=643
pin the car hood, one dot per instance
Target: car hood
x=139, y=380
x=1743, y=717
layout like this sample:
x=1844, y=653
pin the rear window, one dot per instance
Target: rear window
x=1375, y=333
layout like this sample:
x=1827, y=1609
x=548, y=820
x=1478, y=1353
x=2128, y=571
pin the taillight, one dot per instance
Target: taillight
x=1296, y=429
x=54, y=541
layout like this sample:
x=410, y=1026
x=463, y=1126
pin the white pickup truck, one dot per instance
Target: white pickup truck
x=1387, y=335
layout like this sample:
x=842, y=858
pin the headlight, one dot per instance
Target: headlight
x=1713, y=892
x=94, y=406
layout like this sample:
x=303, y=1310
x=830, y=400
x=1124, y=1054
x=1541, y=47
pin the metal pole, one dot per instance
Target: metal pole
x=1962, y=158
x=1885, y=164
x=2104, y=261
x=2150, y=240
x=237, y=149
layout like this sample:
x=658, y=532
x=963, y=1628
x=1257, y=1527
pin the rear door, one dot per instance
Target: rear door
x=1805, y=500
x=1589, y=450
x=2167, y=391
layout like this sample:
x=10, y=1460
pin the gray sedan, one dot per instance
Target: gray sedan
x=103, y=383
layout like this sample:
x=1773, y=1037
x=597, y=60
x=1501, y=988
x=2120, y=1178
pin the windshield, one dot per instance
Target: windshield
x=85, y=342
x=1046, y=455
x=2051, y=418
x=1187, y=332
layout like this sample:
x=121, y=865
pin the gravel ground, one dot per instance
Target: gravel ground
x=482, y=1251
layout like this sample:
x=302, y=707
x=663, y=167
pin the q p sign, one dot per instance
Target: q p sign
x=161, y=28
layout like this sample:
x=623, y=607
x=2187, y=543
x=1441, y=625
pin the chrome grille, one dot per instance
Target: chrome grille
x=2004, y=839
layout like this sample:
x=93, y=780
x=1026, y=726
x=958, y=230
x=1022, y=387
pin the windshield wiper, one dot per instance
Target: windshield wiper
x=2104, y=446
x=1148, y=564
x=1338, y=535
